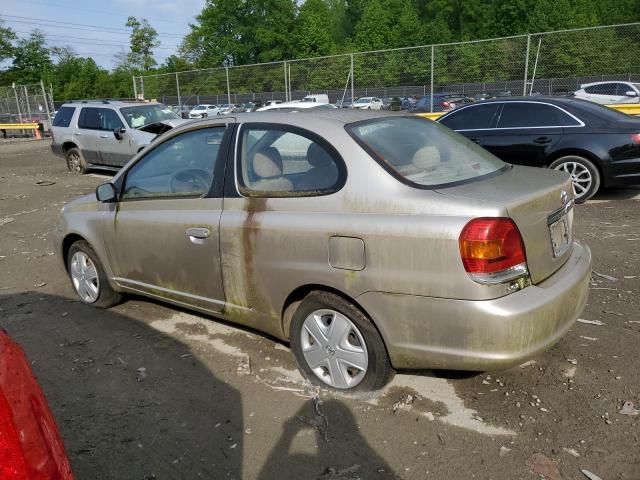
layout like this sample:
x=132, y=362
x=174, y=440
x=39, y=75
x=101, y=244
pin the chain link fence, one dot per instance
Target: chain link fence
x=550, y=63
x=31, y=103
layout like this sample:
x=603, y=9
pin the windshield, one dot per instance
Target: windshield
x=364, y=100
x=200, y=107
x=423, y=153
x=141, y=115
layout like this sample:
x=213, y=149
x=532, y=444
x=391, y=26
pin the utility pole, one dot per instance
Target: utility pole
x=226, y=70
x=17, y=101
x=178, y=91
x=526, y=66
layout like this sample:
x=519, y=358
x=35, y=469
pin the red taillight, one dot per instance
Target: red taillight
x=12, y=462
x=492, y=250
x=446, y=104
x=635, y=138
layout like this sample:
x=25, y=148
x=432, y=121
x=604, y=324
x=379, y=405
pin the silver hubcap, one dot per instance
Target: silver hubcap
x=580, y=177
x=334, y=349
x=74, y=162
x=84, y=277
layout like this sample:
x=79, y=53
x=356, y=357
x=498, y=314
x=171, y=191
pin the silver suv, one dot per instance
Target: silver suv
x=106, y=134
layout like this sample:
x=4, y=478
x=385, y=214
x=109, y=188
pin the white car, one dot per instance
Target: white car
x=296, y=105
x=609, y=93
x=368, y=103
x=204, y=111
x=270, y=103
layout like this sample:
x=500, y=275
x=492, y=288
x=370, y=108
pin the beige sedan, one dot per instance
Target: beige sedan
x=368, y=241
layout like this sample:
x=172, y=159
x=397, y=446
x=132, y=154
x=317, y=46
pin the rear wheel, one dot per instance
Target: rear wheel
x=88, y=277
x=337, y=346
x=584, y=174
x=75, y=161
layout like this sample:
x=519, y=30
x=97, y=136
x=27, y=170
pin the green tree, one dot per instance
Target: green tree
x=379, y=29
x=312, y=36
x=7, y=36
x=31, y=58
x=143, y=38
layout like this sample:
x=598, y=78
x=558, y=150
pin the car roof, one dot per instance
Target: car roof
x=536, y=99
x=337, y=115
x=108, y=103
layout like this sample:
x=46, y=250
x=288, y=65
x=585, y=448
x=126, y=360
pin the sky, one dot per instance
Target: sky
x=88, y=37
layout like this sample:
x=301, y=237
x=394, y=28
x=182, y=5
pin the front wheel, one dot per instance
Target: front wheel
x=88, y=277
x=337, y=346
x=584, y=174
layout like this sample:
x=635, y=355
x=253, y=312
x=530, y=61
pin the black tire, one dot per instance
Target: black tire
x=107, y=296
x=75, y=161
x=378, y=371
x=570, y=163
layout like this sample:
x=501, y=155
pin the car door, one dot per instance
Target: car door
x=626, y=93
x=163, y=239
x=525, y=133
x=115, y=149
x=473, y=121
x=87, y=135
x=212, y=111
x=603, y=93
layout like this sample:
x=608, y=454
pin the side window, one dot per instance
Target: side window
x=524, y=115
x=109, y=120
x=277, y=162
x=623, y=88
x=89, y=118
x=181, y=166
x=63, y=117
x=478, y=117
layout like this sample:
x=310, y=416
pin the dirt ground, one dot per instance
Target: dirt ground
x=147, y=391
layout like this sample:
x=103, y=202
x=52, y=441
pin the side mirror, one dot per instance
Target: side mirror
x=119, y=132
x=631, y=93
x=106, y=193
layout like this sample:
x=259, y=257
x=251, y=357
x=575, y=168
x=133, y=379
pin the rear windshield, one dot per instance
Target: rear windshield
x=422, y=153
x=63, y=117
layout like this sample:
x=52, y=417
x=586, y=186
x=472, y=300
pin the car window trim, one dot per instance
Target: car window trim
x=402, y=179
x=215, y=190
x=494, y=119
x=314, y=137
x=582, y=124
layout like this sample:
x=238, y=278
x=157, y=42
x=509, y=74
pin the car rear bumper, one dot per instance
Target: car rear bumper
x=623, y=173
x=57, y=149
x=428, y=332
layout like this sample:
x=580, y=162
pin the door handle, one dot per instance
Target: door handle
x=104, y=136
x=542, y=140
x=475, y=140
x=78, y=133
x=197, y=234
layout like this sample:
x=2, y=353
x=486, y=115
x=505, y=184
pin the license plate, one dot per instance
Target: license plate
x=560, y=235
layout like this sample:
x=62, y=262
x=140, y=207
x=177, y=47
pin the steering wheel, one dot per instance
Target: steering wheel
x=190, y=180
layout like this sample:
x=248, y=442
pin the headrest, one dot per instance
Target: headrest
x=267, y=163
x=426, y=158
x=318, y=156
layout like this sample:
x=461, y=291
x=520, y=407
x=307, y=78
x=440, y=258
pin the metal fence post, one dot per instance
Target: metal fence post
x=286, y=89
x=526, y=66
x=433, y=51
x=17, y=101
x=135, y=87
x=352, y=88
x=178, y=92
x=46, y=104
x=26, y=99
x=226, y=69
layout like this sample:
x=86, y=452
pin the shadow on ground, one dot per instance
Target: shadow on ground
x=174, y=419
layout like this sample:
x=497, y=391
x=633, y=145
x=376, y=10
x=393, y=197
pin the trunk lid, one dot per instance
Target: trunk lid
x=534, y=199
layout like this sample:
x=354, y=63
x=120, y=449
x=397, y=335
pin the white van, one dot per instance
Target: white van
x=316, y=98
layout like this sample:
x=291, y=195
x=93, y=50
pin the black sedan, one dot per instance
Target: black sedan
x=594, y=144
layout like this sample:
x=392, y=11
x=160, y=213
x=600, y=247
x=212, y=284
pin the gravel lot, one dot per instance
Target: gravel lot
x=218, y=401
